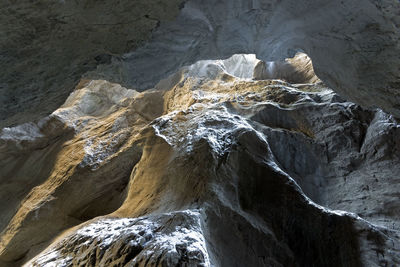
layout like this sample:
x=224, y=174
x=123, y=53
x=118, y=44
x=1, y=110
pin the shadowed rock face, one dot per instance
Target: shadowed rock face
x=46, y=46
x=209, y=168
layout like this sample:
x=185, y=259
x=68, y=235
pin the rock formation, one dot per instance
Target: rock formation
x=209, y=168
x=200, y=133
x=46, y=46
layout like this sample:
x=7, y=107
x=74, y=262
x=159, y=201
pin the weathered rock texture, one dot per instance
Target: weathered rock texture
x=206, y=169
x=45, y=46
x=354, y=44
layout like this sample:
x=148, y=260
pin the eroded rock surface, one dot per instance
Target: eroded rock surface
x=209, y=168
x=172, y=239
x=46, y=46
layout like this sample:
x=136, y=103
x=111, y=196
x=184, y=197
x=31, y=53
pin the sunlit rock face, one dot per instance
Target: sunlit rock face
x=46, y=46
x=214, y=166
x=298, y=69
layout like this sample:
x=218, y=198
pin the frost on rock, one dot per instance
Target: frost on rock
x=168, y=239
x=99, y=149
x=214, y=125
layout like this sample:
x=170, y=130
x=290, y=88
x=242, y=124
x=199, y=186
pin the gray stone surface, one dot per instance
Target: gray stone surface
x=46, y=46
x=221, y=171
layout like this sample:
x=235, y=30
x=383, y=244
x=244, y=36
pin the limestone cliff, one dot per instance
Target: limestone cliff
x=211, y=167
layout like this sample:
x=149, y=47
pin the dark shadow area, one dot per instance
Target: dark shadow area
x=316, y=237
